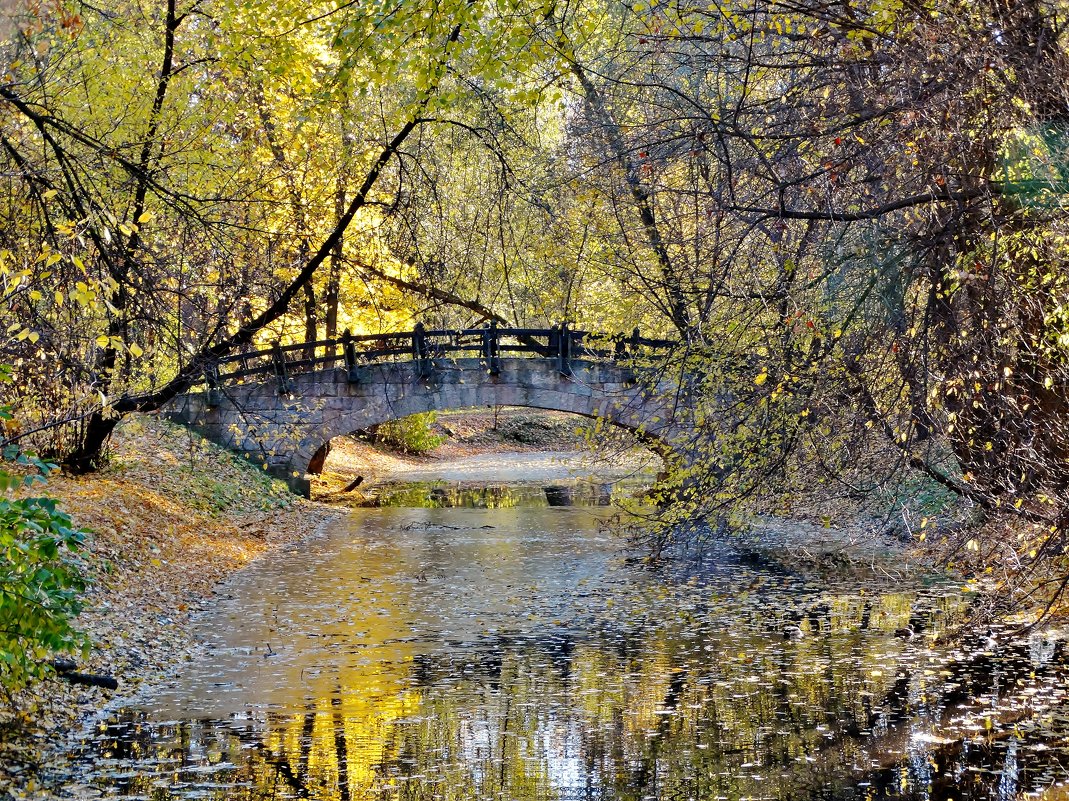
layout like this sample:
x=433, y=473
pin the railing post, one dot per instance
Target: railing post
x=492, y=348
x=554, y=343
x=211, y=378
x=419, y=351
x=352, y=370
x=278, y=360
x=630, y=346
x=627, y=346
x=564, y=351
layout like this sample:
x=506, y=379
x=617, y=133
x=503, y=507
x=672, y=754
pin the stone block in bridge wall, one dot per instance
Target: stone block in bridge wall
x=455, y=397
x=501, y=395
x=323, y=389
x=185, y=409
x=341, y=403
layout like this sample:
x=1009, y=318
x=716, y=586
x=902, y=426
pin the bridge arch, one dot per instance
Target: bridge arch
x=285, y=430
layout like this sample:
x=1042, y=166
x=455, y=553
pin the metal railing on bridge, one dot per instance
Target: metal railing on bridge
x=424, y=346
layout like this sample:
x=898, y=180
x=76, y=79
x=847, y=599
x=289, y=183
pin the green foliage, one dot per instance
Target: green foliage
x=414, y=434
x=41, y=581
x=41, y=577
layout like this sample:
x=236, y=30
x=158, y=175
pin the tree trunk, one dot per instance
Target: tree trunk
x=89, y=455
x=319, y=460
x=333, y=291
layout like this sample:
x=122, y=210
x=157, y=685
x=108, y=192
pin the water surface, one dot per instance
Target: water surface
x=518, y=652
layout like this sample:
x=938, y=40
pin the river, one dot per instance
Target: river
x=468, y=640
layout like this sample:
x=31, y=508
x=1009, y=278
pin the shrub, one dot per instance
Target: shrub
x=413, y=434
x=41, y=583
x=41, y=576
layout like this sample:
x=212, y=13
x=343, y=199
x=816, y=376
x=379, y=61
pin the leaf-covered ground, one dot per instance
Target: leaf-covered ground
x=170, y=517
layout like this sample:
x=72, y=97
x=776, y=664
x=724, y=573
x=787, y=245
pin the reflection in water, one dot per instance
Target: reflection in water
x=477, y=495
x=511, y=654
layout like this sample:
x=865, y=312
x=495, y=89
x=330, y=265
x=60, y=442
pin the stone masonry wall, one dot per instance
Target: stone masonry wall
x=284, y=431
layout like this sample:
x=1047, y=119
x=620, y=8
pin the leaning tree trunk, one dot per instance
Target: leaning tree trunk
x=89, y=454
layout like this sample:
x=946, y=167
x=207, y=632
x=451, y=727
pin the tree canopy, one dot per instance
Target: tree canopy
x=849, y=214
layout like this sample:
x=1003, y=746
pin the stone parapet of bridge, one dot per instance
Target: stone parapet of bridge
x=284, y=429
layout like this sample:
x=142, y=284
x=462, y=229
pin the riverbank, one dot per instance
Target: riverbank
x=171, y=517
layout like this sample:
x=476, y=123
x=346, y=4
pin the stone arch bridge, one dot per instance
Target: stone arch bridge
x=282, y=405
